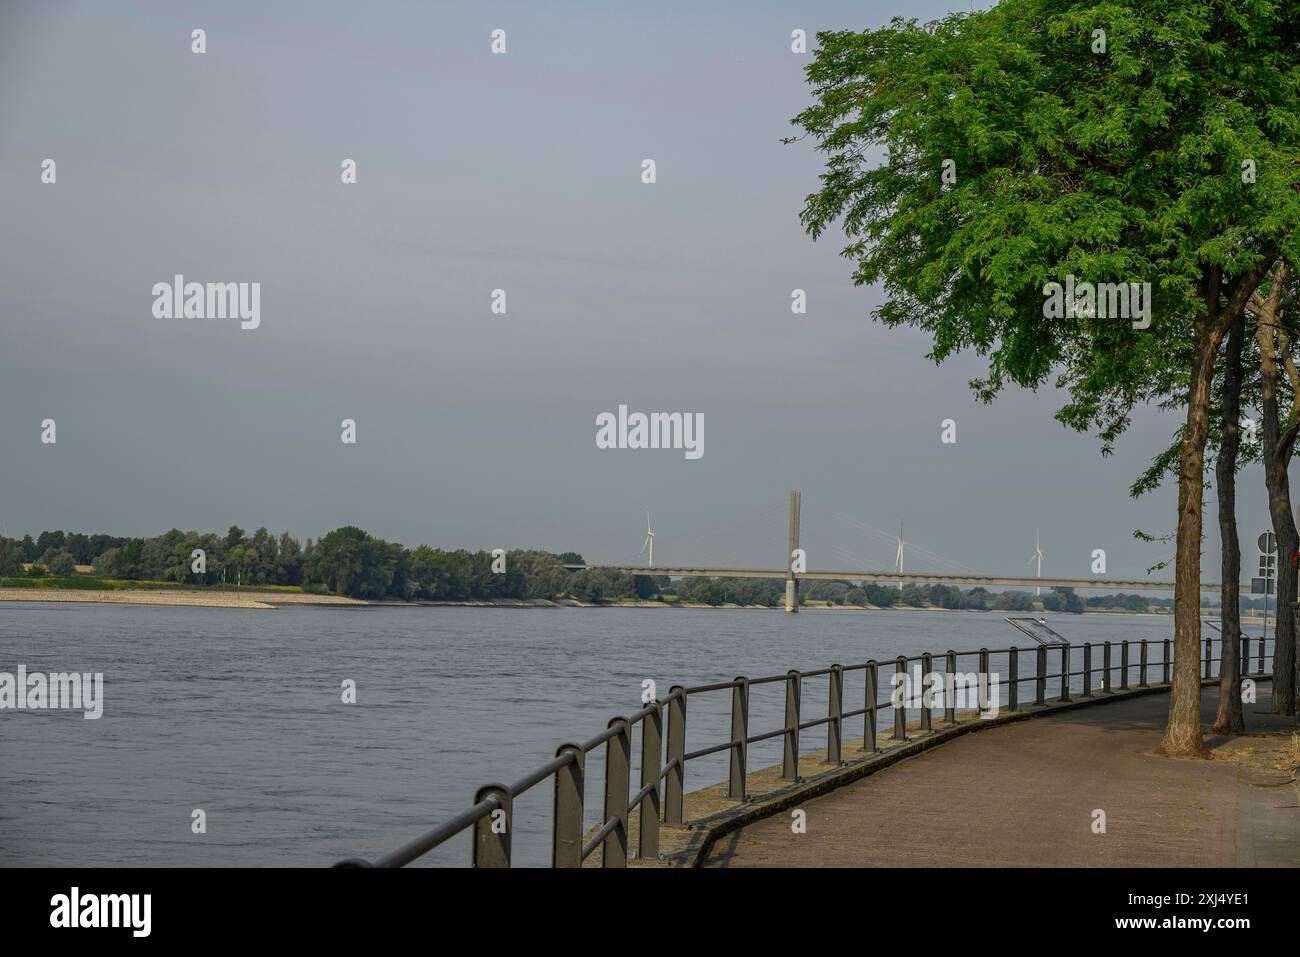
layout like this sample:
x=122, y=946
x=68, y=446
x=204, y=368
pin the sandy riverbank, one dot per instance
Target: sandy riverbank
x=177, y=596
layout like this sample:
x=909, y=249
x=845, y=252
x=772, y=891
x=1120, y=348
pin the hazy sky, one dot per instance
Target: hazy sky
x=475, y=172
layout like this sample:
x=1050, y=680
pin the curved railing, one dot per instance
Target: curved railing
x=661, y=795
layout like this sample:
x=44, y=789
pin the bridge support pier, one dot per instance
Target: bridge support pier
x=792, y=583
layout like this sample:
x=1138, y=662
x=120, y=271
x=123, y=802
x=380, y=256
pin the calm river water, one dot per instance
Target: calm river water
x=239, y=713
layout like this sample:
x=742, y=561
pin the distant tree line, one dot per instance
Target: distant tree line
x=938, y=596
x=347, y=561
x=771, y=592
x=351, y=562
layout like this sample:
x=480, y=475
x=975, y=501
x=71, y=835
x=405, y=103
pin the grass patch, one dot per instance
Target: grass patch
x=78, y=583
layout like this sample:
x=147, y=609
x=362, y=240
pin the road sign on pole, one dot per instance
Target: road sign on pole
x=1267, y=572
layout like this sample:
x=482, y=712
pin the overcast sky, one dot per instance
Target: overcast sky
x=475, y=172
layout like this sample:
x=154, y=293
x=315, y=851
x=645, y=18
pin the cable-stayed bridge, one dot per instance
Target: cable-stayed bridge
x=794, y=573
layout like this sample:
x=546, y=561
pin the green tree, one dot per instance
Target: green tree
x=1115, y=165
x=49, y=541
x=11, y=556
x=350, y=562
x=60, y=563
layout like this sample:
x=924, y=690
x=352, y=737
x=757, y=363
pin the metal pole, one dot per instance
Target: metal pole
x=1065, y=672
x=1040, y=682
x=835, y=709
x=739, y=736
x=1105, y=669
x=790, y=759
x=1209, y=654
x=1165, y=664
x=675, y=784
x=1123, y=665
x=1264, y=635
x=869, y=718
x=566, y=843
x=492, y=831
x=984, y=670
x=950, y=689
x=618, y=759
x=900, y=709
x=652, y=735
x=927, y=667
x=1087, y=670
x=1013, y=680
x=1142, y=668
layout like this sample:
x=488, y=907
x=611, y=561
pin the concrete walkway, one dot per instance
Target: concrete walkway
x=1025, y=795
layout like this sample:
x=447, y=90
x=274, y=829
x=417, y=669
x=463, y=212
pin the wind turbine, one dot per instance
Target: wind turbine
x=1038, y=557
x=649, y=541
x=898, y=556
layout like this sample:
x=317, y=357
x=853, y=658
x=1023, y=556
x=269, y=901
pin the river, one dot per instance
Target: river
x=239, y=714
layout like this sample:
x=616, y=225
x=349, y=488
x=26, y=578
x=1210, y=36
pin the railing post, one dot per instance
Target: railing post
x=618, y=760
x=1087, y=670
x=1065, y=672
x=1263, y=640
x=1165, y=664
x=1105, y=668
x=675, y=784
x=566, y=842
x=1209, y=654
x=790, y=759
x=899, y=695
x=492, y=831
x=739, y=738
x=652, y=737
x=869, y=717
x=1040, y=681
x=1013, y=680
x=984, y=670
x=1244, y=656
x=927, y=666
x=1123, y=665
x=835, y=711
x=950, y=689
x=1142, y=668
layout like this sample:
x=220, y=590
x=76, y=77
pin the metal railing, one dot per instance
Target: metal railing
x=661, y=797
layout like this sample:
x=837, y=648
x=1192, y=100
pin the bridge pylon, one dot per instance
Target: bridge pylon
x=792, y=583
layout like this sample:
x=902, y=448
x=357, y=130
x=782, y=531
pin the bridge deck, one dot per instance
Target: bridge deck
x=1024, y=794
x=880, y=577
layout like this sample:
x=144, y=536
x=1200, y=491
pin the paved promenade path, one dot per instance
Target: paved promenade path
x=1024, y=795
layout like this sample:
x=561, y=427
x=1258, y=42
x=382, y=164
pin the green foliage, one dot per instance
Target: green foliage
x=1063, y=599
x=11, y=557
x=78, y=582
x=60, y=563
x=1120, y=166
x=347, y=561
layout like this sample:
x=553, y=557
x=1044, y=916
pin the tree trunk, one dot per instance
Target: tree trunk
x=1182, y=737
x=1277, y=458
x=1229, y=719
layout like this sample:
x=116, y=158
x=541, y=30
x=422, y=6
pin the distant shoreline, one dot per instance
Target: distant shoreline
x=267, y=600
x=176, y=597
